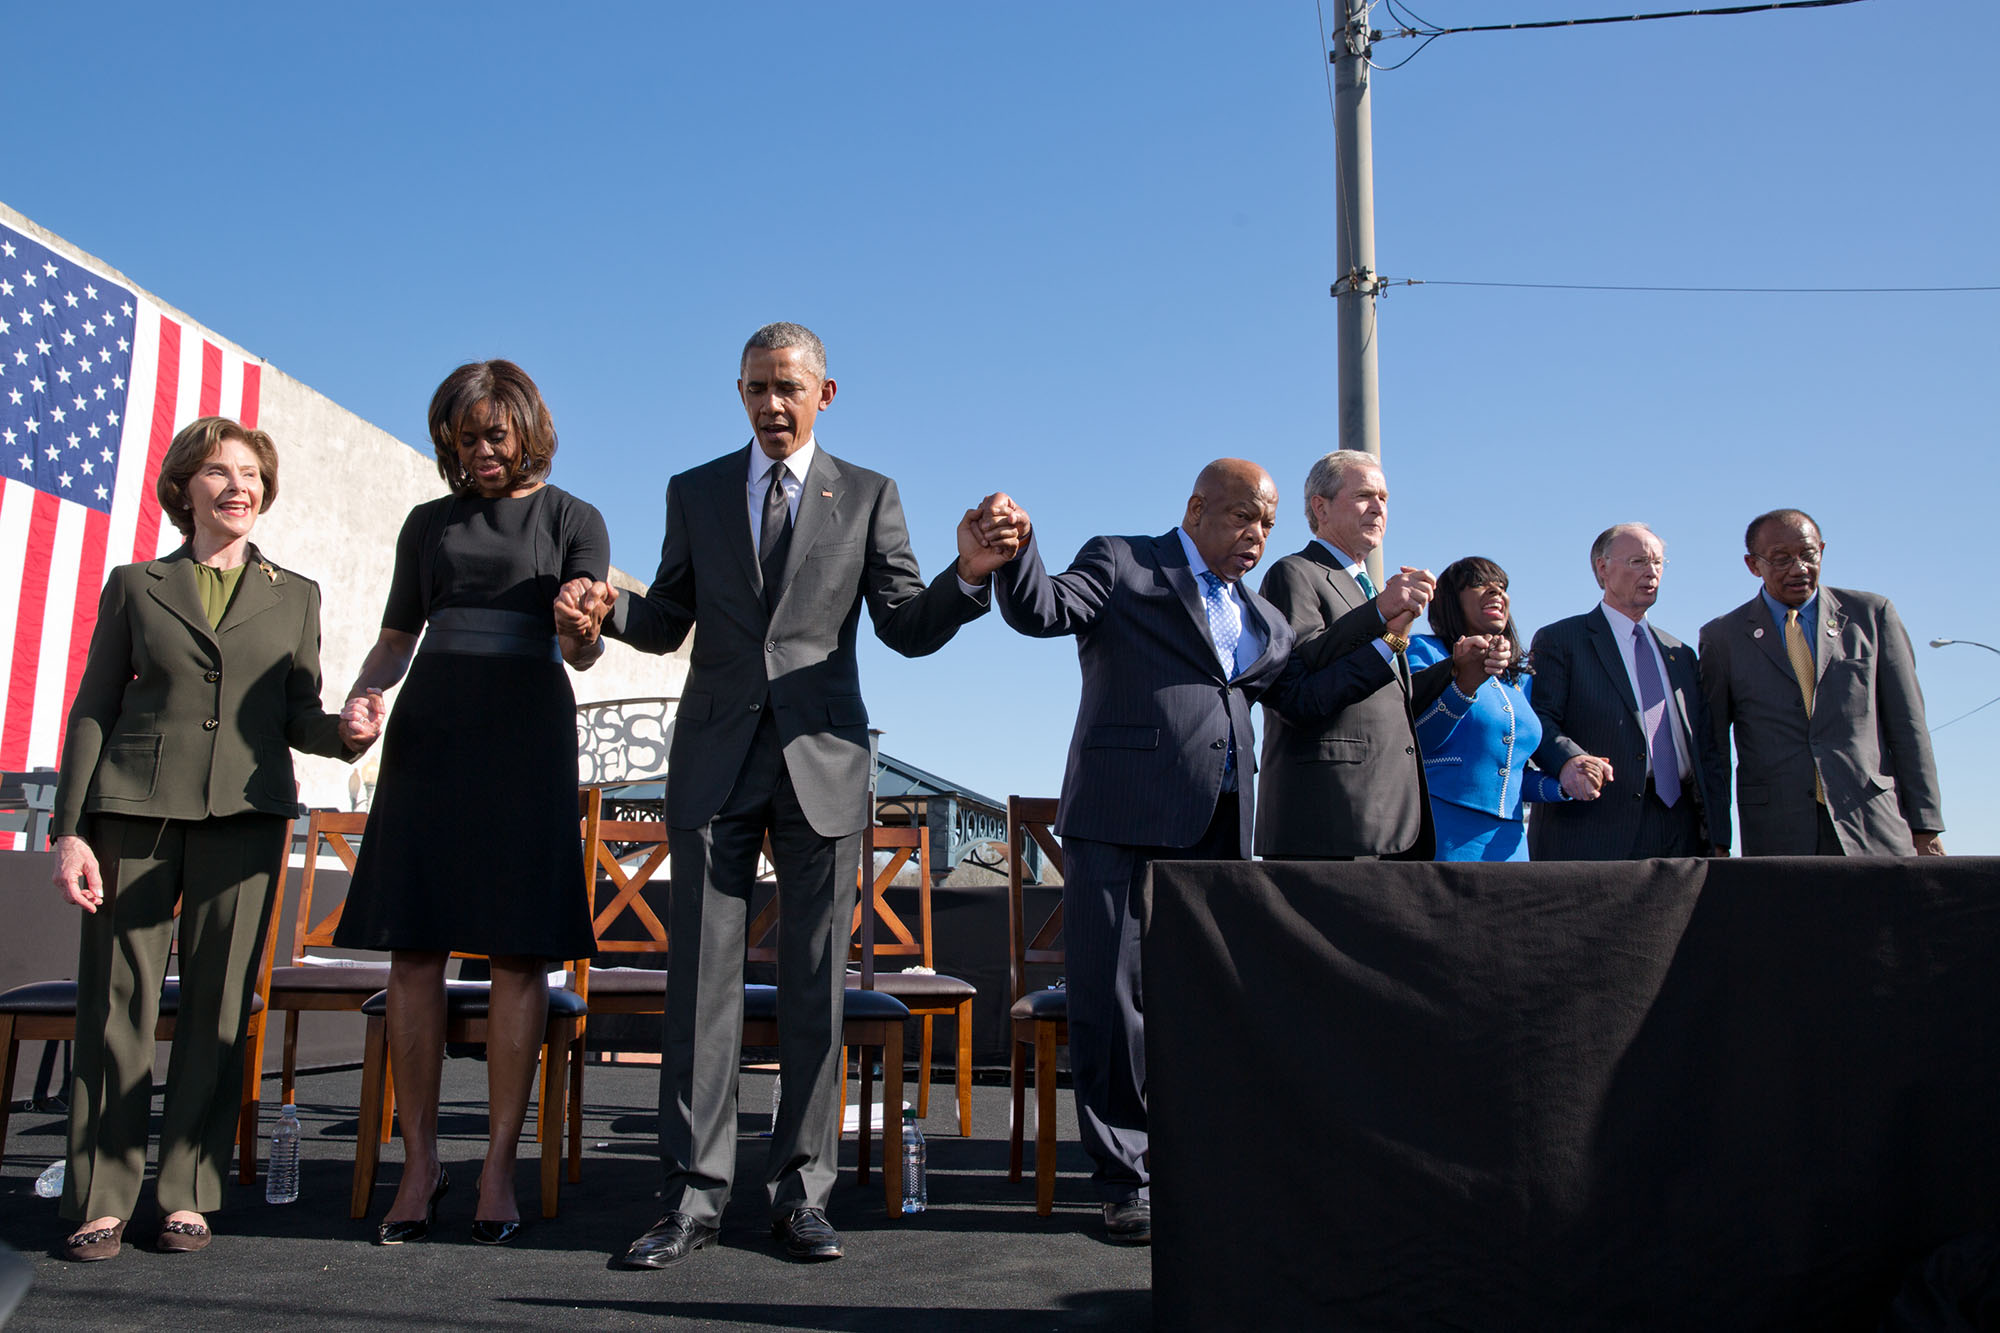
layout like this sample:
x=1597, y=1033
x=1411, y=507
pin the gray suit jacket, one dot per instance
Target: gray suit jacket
x=1866, y=736
x=1586, y=704
x=849, y=548
x=174, y=720
x=1158, y=710
x=1352, y=784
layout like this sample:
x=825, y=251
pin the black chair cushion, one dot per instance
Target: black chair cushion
x=53, y=999
x=471, y=999
x=366, y=978
x=1044, y=1006
x=922, y=986
x=761, y=1002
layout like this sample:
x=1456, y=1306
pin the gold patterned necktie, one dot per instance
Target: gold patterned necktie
x=1800, y=653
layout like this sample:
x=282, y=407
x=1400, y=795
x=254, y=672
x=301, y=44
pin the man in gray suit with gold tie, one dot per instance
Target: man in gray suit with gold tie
x=774, y=549
x=1820, y=686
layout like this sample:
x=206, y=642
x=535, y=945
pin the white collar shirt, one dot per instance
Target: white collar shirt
x=793, y=479
x=1622, y=626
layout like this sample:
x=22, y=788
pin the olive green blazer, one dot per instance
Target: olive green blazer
x=174, y=720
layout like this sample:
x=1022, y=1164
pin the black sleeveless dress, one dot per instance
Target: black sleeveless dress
x=472, y=835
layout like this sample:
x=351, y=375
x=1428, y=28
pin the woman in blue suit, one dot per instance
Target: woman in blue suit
x=1477, y=737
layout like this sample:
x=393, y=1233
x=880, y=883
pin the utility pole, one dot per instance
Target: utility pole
x=1360, y=399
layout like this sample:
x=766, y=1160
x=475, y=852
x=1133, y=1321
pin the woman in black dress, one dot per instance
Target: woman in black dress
x=472, y=838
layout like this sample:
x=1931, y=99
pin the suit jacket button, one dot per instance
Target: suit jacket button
x=1217, y=745
x=210, y=725
x=212, y=676
x=755, y=707
x=1409, y=749
x=771, y=647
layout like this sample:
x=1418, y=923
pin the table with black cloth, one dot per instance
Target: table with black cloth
x=1664, y=1095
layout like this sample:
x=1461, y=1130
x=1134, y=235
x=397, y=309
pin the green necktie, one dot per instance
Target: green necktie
x=1368, y=587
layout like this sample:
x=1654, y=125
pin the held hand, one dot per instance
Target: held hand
x=571, y=617
x=1499, y=654
x=1721, y=852
x=1468, y=663
x=76, y=873
x=362, y=719
x=1584, y=777
x=1400, y=624
x=1928, y=844
x=597, y=602
x=1405, y=594
x=988, y=537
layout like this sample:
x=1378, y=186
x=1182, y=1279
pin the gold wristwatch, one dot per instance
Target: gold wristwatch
x=1397, y=643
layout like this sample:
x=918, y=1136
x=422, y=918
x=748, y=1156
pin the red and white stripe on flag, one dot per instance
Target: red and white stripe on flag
x=65, y=550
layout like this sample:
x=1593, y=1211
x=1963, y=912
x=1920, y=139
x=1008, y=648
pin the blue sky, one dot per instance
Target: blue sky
x=1075, y=251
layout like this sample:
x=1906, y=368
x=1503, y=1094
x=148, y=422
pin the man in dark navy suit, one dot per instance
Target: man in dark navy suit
x=1623, y=718
x=1174, y=650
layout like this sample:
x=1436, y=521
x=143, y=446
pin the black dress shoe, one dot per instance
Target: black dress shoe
x=807, y=1234
x=669, y=1240
x=1130, y=1221
x=397, y=1233
x=495, y=1233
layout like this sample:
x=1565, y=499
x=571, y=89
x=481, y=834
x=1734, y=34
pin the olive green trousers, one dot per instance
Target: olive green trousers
x=220, y=872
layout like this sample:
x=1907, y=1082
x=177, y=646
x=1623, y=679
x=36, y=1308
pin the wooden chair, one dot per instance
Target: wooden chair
x=926, y=994
x=631, y=853
x=1040, y=1017
x=466, y=1008
x=46, y=1011
x=300, y=987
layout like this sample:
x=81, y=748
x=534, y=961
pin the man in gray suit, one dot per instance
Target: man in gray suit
x=1350, y=786
x=1623, y=718
x=774, y=548
x=1174, y=651
x=1820, y=684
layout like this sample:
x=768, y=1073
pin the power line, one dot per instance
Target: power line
x=1632, y=287
x=1962, y=716
x=1430, y=32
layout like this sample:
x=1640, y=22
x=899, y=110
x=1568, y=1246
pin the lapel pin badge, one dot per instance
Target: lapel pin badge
x=826, y=495
x=1757, y=633
x=1833, y=631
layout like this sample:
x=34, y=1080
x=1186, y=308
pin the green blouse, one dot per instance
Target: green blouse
x=217, y=587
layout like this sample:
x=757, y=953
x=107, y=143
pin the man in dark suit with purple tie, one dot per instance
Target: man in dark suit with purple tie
x=1175, y=650
x=1622, y=715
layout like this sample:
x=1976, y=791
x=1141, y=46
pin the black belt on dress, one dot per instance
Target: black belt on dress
x=486, y=633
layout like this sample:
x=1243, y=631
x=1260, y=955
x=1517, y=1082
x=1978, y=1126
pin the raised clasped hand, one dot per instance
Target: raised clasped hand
x=1469, y=657
x=1405, y=595
x=989, y=536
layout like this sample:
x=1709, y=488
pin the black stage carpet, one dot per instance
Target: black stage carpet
x=1664, y=1095
x=979, y=1260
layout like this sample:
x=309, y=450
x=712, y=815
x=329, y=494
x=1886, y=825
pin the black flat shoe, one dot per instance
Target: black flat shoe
x=398, y=1233
x=495, y=1233
x=668, y=1241
x=807, y=1235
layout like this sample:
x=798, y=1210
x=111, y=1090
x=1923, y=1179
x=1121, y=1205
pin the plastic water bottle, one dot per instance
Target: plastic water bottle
x=48, y=1185
x=281, y=1177
x=916, y=1185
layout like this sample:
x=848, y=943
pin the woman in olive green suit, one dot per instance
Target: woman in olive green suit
x=176, y=787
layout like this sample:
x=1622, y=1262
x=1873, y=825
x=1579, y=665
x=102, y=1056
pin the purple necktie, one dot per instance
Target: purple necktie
x=1656, y=721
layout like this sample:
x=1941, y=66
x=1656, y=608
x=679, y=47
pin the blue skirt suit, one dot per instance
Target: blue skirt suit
x=1476, y=763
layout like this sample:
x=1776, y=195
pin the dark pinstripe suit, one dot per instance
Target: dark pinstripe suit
x=1145, y=779
x=1584, y=698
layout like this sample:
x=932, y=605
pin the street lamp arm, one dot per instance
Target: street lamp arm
x=1970, y=643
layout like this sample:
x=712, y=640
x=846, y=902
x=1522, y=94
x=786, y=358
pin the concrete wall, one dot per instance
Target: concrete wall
x=346, y=486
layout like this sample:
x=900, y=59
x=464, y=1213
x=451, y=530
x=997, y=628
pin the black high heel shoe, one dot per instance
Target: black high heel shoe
x=396, y=1233
x=495, y=1233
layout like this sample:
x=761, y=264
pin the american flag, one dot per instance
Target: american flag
x=94, y=381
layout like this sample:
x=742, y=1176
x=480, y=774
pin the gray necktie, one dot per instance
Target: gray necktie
x=1657, y=719
x=774, y=534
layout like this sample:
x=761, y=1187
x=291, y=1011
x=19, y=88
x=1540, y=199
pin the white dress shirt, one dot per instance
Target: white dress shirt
x=1355, y=569
x=793, y=479
x=1621, y=630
